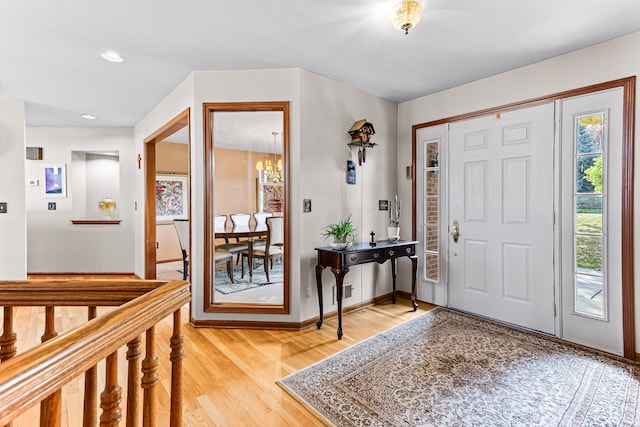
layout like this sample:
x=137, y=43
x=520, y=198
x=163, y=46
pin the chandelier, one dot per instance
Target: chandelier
x=406, y=15
x=271, y=169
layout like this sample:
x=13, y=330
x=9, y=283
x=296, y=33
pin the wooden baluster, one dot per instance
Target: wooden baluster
x=90, y=414
x=177, y=354
x=49, y=324
x=8, y=339
x=51, y=407
x=133, y=384
x=149, y=380
x=111, y=397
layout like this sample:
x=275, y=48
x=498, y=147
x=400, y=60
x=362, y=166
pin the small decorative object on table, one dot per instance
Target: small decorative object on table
x=373, y=240
x=393, y=230
x=106, y=206
x=341, y=233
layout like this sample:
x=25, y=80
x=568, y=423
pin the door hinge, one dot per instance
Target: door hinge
x=555, y=312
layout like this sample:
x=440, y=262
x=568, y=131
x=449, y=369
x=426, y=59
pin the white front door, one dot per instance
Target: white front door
x=501, y=192
x=591, y=141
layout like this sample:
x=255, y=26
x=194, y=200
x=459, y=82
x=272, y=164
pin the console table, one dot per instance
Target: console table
x=339, y=260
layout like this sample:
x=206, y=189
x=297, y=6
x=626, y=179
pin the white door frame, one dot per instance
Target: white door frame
x=626, y=222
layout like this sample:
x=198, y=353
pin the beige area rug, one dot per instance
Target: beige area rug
x=450, y=369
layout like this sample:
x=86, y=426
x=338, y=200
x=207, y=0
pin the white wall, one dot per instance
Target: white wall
x=54, y=244
x=243, y=86
x=612, y=60
x=13, y=251
x=328, y=110
x=176, y=102
x=321, y=112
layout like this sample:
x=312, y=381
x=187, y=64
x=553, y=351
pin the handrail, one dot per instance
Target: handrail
x=32, y=376
x=94, y=292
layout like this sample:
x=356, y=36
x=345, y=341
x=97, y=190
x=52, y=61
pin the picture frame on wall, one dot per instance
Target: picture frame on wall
x=54, y=179
x=172, y=197
x=272, y=197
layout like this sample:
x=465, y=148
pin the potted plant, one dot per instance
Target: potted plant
x=393, y=230
x=341, y=232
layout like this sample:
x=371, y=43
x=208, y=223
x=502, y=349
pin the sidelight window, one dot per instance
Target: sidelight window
x=590, y=287
x=431, y=198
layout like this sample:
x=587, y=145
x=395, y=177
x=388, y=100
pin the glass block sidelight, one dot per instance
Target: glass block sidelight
x=431, y=204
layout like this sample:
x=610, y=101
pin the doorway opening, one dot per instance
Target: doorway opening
x=179, y=126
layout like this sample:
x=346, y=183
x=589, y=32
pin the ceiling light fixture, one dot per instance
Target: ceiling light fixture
x=89, y=116
x=271, y=171
x=406, y=15
x=111, y=56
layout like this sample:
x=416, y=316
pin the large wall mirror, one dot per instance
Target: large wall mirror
x=246, y=187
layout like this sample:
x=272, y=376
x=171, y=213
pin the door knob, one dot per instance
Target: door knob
x=455, y=230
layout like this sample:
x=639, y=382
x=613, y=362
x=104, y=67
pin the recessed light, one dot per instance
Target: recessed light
x=111, y=56
x=89, y=116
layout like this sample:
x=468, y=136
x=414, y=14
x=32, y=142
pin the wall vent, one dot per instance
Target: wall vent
x=347, y=292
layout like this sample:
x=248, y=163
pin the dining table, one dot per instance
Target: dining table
x=250, y=233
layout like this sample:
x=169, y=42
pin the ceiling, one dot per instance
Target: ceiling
x=49, y=50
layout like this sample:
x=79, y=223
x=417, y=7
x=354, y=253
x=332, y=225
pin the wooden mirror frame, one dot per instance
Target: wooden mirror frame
x=209, y=109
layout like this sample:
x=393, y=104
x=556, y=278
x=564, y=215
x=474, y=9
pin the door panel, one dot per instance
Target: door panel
x=591, y=297
x=501, y=192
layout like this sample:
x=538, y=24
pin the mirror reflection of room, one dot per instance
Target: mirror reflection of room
x=248, y=207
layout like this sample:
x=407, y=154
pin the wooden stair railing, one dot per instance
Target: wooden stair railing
x=38, y=374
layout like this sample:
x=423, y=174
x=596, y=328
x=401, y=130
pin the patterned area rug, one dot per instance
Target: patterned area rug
x=224, y=285
x=449, y=369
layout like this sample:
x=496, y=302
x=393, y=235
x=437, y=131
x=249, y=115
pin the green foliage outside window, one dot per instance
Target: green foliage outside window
x=594, y=175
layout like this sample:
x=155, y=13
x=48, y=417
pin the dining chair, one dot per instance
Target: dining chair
x=240, y=222
x=221, y=256
x=273, y=248
x=219, y=222
x=182, y=228
x=260, y=219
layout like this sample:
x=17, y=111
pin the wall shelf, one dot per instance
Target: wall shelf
x=96, y=221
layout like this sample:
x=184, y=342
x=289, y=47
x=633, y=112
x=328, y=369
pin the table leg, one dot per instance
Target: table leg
x=250, y=258
x=319, y=269
x=393, y=276
x=414, y=272
x=339, y=280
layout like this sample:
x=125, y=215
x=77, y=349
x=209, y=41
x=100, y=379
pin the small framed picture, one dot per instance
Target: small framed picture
x=55, y=181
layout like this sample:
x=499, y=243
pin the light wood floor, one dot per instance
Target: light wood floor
x=229, y=375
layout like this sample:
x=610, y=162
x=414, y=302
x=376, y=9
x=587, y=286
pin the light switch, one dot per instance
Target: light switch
x=51, y=206
x=306, y=205
x=3, y=207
